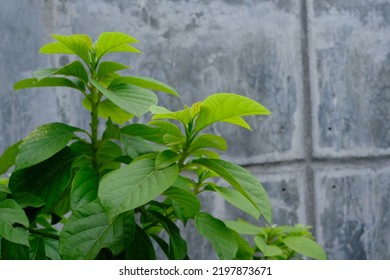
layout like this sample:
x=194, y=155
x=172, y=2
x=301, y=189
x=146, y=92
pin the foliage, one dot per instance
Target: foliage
x=78, y=194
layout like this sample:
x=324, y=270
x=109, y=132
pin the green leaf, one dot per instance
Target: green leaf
x=224, y=243
x=14, y=251
x=141, y=247
x=109, y=42
x=112, y=131
x=267, y=250
x=37, y=250
x=88, y=231
x=160, y=112
x=153, y=134
x=43, y=142
x=132, y=99
x=84, y=187
x=40, y=179
x=145, y=82
x=238, y=200
x=11, y=213
x=186, y=199
x=51, y=249
x=209, y=141
x=243, y=227
x=27, y=199
x=73, y=69
x=108, y=151
x=107, y=67
x=7, y=159
x=134, y=185
x=78, y=44
x=177, y=245
x=245, y=250
x=242, y=180
x=108, y=110
x=48, y=82
x=166, y=158
x=227, y=107
x=305, y=246
x=136, y=146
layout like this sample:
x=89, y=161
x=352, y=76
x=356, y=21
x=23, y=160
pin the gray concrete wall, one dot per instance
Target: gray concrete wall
x=321, y=67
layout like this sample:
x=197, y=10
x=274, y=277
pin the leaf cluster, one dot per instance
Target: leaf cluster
x=74, y=193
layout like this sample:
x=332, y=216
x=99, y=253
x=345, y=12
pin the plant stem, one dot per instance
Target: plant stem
x=94, y=127
x=43, y=233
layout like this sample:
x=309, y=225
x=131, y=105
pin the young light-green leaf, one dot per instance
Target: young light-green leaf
x=227, y=107
x=132, y=99
x=209, y=141
x=107, y=67
x=267, y=250
x=160, y=112
x=218, y=234
x=109, y=42
x=73, y=69
x=43, y=142
x=243, y=227
x=305, y=246
x=134, y=185
x=88, y=230
x=145, y=82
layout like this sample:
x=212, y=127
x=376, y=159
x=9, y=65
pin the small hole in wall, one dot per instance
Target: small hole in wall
x=283, y=189
x=333, y=187
x=329, y=128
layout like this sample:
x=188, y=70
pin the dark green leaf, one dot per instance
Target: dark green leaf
x=141, y=248
x=223, y=241
x=37, y=249
x=112, y=131
x=305, y=246
x=43, y=142
x=40, y=179
x=132, y=99
x=244, y=181
x=145, y=82
x=177, y=245
x=11, y=213
x=108, y=151
x=88, y=231
x=136, y=146
x=13, y=251
x=7, y=159
x=150, y=133
x=84, y=187
x=48, y=82
x=27, y=199
x=134, y=185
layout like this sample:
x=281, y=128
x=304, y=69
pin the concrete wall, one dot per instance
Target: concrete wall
x=321, y=66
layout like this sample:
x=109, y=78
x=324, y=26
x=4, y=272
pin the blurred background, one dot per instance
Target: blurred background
x=321, y=66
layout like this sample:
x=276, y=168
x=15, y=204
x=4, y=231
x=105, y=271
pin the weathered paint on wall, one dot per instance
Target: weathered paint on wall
x=320, y=66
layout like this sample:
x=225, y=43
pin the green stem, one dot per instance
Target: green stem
x=43, y=233
x=95, y=99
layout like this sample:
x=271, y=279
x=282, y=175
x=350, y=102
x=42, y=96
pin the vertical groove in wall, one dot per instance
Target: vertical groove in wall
x=307, y=112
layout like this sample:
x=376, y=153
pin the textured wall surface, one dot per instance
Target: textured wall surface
x=321, y=66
